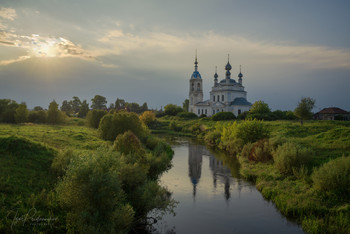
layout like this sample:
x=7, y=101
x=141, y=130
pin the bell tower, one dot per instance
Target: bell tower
x=196, y=87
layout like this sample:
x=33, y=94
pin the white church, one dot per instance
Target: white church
x=226, y=95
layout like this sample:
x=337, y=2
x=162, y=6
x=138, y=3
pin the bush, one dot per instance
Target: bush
x=261, y=151
x=94, y=117
x=173, y=126
x=37, y=116
x=172, y=109
x=61, y=162
x=148, y=117
x=118, y=123
x=223, y=116
x=289, y=156
x=128, y=143
x=92, y=192
x=7, y=110
x=212, y=138
x=334, y=177
x=187, y=115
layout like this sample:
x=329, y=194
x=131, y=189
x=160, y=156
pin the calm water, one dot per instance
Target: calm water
x=213, y=199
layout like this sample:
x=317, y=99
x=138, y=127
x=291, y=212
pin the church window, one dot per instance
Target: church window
x=218, y=98
x=198, y=87
x=214, y=98
x=192, y=86
x=199, y=111
x=222, y=110
x=213, y=112
x=239, y=111
x=205, y=111
x=222, y=98
x=202, y=111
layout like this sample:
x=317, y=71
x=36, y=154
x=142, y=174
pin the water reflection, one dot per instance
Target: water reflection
x=214, y=199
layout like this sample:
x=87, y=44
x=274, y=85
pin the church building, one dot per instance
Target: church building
x=226, y=95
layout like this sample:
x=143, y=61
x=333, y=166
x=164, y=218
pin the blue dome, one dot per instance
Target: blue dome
x=196, y=75
x=240, y=75
x=223, y=81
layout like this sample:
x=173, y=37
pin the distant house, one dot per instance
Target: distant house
x=332, y=113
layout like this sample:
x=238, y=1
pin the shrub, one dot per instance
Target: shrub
x=128, y=143
x=148, y=117
x=61, y=162
x=187, y=115
x=7, y=110
x=289, y=156
x=333, y=177
x=37, y=116
x=172, y=109
x=118, y=123
x=92, y=192
x=212, y=138
x=247, y=148
x=173, y=126
x=252, y=131
x=223, y=116
x=261, y=151
x=94, y=117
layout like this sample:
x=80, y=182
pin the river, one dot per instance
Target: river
x=212, y=198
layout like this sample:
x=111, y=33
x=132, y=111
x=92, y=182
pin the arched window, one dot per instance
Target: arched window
x=205, y=111
x=222, y=98
x=192, y=86
x=218, y=98
x=214, y=98
x=199, y=111
x=198, y=86
x=239, y=111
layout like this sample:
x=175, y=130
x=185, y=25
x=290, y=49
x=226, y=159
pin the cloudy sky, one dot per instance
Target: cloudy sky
x=143, y=51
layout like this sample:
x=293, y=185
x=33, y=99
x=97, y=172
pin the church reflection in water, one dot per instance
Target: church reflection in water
x=220, y=172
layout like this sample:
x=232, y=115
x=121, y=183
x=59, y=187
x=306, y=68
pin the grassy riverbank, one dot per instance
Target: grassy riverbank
x=296, y=192
x=55, y=178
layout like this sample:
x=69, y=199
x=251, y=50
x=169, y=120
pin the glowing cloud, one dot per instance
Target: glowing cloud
x=8, y=13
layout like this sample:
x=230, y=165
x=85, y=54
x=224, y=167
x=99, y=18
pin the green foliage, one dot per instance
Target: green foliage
x=187, y=115
x=67, y=108
x=148, y=117
x=261, y=151
x=92, y=192
x=172, y=109
x=128, y=143
x=289, y=156
x=260, y=107
x=37, y=116
x=234, y=136
x=94, y=117
x=121, y=121
x=84, y=109
x=7, y=110
x=223, y=116
x=213, y=138
x=334, y=177
x=98, y=102
x=173, y=126
x=304, y=108
x=54, y=116
x=21, y=114
x=61, y=161
x=185, y=105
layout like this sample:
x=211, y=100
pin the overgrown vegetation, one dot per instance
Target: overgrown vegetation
x=303, y=169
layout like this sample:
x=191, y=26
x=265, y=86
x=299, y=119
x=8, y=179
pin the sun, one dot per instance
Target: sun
x=45, y=48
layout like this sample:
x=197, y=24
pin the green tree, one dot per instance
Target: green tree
x=98, y=103
x=21, y=114
x=7, y=110
x=84, y=109
x=94, y=116
x=37, y=116
x=54, y=116
x=38, y=108
x=303, y=110
x=185, y=105
x=118, y=123
x=119, y=104
x=66, y=107
x=76, y=105
x=144, y=107
x=260, y=107
x=148, y=117
x=172, y=109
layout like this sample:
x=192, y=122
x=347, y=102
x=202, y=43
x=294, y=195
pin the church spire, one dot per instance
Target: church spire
x=196, y=63
x=240, y=75
x=228, y=67
x=216, y=76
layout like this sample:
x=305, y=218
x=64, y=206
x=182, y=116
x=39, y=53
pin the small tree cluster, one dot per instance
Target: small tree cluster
x=172, y=109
